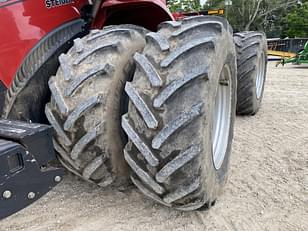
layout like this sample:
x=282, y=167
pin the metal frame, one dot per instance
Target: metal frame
x=25, y=152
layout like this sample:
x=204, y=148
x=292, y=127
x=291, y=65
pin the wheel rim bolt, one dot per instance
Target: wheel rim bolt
x=7, y=194
x=31, y=195
x=58, y=179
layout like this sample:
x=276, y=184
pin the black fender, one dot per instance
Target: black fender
x=25, y=99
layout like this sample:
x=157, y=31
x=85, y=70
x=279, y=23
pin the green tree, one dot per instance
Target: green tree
x=184, y=5
x=253, y=14
x=278, y=18
x=214, y=4
x=297, y=21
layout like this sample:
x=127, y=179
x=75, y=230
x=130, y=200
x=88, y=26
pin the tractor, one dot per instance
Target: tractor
x=123, y=91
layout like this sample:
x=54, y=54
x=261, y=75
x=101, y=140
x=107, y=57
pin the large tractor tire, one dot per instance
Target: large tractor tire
x=251, y=66
x=87, y=103
x=181, y=112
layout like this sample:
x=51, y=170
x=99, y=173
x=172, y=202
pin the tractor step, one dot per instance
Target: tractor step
x=25, y=175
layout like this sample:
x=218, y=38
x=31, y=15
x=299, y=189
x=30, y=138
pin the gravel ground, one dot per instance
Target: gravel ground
x=267, y=188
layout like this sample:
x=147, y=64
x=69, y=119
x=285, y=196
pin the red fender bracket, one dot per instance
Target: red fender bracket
x=145, y=13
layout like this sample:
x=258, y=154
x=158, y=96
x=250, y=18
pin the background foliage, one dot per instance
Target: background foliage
x=184, y=5
x=278, y=18
x=297, y=22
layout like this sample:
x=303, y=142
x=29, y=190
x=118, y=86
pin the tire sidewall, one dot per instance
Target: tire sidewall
x=257, y=100
x=214, y=179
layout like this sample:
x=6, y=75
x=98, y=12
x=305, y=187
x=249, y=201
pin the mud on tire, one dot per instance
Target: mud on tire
x=251, y=49
x=87, y=103
x=182, y=71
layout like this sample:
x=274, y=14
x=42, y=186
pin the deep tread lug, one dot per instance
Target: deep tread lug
x=107, y=180
x=173, y=24
x=183, y=120
x=170, y=90
x=82, y=108
x=75, y=84
x=64, y=63
x=92, y=167
x=103, y=33
x=78, y=45
x=147, y=192
x=182, y=191
x=55, y=124
x=142, y=147
x=173, y=56
x=216, y=25
x=84, y=141
x=160, y=40
x=57, y=96
x=110, y=46
x=148, y=69
x=61, y=151
x=146, y=178
x=141, y=106
x=178, y=162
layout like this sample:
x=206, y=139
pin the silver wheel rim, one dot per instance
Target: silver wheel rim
x=222, y=118
x=260, y=75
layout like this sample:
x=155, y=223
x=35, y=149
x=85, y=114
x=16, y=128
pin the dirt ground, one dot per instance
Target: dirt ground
x=267, y=188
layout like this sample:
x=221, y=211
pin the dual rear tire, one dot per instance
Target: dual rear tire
x=181, y=83
x=180, y=115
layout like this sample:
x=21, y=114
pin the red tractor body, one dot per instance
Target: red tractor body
x=24, y=23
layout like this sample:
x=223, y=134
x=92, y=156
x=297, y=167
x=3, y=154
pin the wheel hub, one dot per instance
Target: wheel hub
x=222, y=118
x=260, y=75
